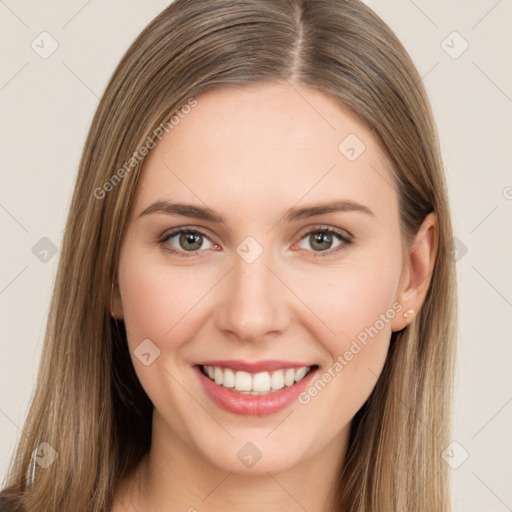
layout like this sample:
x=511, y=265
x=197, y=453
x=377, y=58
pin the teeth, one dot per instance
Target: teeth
x=228, y=379
x=277, y=380
x=300, y=373
x=289, y=377
x=261, y=382
x=257, y=383
x=243, y=381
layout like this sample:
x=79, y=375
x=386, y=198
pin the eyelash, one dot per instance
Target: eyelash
x=342, y=235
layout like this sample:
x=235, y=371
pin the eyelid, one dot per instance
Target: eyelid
x=343, y=233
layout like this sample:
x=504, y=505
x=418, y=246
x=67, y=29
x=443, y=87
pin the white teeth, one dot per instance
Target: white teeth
x=228, y=380
x=261, y=382
x=300, y=373
x=243, y=381
x=257, y=383
x=277, y=380
x=289, y=377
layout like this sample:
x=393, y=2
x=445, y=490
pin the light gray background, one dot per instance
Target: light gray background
x=48, y=104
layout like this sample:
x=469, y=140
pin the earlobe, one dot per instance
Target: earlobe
x=417, y=273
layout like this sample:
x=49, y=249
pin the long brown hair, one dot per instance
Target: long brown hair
x=88, y=404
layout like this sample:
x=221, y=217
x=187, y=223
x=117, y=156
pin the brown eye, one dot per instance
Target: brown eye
x=320, y=241
x=186, y=240
x=324, y=240
x=190, y=241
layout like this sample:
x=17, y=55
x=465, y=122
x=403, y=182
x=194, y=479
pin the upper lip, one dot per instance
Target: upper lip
x=254, y=366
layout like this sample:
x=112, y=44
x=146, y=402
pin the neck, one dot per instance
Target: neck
x=172, y=473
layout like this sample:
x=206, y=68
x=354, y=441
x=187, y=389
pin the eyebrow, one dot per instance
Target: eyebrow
x=205, y=213
x=330, y=207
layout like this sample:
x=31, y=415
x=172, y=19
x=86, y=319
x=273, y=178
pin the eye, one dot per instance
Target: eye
x=186, y=240
x=321, y=241
x=325, y=240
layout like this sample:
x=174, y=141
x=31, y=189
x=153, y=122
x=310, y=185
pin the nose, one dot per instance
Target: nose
x=253, y=301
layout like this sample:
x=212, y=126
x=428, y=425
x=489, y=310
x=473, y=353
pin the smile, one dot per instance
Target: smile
x=255, y=383
x=254, y=389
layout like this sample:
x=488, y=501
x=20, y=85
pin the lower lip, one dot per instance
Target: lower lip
x=253, y=405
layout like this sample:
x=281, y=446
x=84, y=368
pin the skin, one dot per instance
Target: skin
x=251, y=154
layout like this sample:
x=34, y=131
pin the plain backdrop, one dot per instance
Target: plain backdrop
x=462, y=51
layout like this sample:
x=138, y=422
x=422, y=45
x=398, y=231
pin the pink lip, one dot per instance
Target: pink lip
x=255, y=366
x=252, y=405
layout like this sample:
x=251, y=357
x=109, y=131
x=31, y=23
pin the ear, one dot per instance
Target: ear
x=116, y=305
x=417, y=271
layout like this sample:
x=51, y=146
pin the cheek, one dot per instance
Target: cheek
x=351, y=298
x=162, y=304
x=354, y=306
x=159, y=301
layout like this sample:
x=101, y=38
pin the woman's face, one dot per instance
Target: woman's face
x=282, y=281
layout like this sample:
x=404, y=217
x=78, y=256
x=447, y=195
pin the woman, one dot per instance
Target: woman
x=255, y=301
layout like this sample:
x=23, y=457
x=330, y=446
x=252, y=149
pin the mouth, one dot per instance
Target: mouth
x=256, y=384
x=254, y=389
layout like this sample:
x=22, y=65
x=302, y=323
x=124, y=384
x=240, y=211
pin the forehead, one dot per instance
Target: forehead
x=280, y=142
